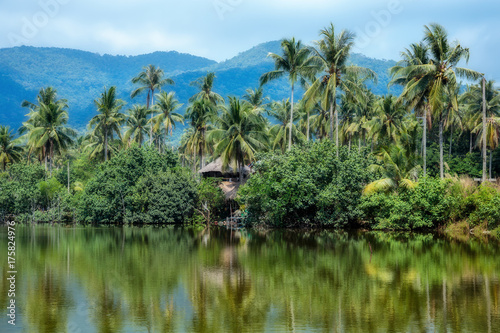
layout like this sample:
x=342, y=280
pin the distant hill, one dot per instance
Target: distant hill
x=80, y=76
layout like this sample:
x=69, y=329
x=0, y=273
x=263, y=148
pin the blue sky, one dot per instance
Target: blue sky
x=220, y=29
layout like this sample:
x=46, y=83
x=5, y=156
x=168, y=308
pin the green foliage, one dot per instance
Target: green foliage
x=165, y=197
x=48, y=190
x=211, y=200
x=19, y=189
x=306, y=186
x=138, y=185
x=424, y=206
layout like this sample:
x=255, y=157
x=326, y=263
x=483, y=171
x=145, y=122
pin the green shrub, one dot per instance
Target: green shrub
x=307, y=186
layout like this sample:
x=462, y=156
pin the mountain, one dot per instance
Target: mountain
x=80, y=76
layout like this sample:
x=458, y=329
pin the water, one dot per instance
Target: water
x=111, y=279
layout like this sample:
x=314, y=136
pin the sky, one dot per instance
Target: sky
x=220, y=29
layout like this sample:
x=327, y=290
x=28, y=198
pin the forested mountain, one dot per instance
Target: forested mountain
x=80, y=76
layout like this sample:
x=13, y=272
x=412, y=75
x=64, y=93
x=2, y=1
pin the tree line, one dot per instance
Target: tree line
x=337, y=106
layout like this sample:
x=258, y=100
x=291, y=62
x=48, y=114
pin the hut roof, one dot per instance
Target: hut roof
x=230, y=189
x=216, y=166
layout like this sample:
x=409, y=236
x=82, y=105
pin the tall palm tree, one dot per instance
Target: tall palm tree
x=150, y=79
x=200, y=113
x=333, y=53
x=137, y=124
x=109, y=118
x=473, y=99
x=206, y=85
x=10, y=151
x=50, y=130
x=281, y=112
x=416, y=54
x=297, y=63
x=239, y=134
x=430, y=79
x=166, y=105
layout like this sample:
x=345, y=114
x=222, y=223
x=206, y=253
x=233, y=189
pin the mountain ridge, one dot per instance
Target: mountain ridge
x=80, y=76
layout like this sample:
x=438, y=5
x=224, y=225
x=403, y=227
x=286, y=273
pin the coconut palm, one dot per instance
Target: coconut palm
x=386, y=125
x=332, y=52
x=166, y=105
x=473, y=99
x=256, y=98
x=397, y=169
x=137, y=124
x=50, y=131
x=206, y=84
x=297, y=63
x=415, y=55
x=431, y=79
x=281, y=112
x=109, y=118
x=238, y=135
x=10, y=151
x=150, y=79
x=200, y=113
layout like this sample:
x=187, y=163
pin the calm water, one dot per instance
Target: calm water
x=178, y=280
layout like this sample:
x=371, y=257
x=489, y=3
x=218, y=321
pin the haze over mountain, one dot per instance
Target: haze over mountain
x=81, y=76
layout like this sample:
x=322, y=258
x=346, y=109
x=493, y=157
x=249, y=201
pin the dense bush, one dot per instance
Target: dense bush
x=425, y=206
x=306, y=186
x=138, y=185
x=20, y=189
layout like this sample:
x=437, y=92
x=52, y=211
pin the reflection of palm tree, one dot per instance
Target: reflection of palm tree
x=297, y=63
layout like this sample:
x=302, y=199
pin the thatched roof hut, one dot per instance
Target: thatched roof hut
x=215, y=170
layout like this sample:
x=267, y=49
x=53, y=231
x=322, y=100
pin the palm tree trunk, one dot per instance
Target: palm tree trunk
x=491, y=159
x=307, y=125
x=451, y=140
x=291, y=123
x=151, y=125
x=68, y=176
x=484, y=129
x=470, y=142
x=336, y=128
x=441, y=159
x=359, y=144
x=424, y=142
x=105, y=144
x=349, y=144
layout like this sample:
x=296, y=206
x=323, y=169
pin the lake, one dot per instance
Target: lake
x=154, y=279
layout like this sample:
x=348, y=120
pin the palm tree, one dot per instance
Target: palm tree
x=297, y=63
x=108, y=120
x=10, y=151
x=151, y=79
x=256, y=97
x=240, y=133
x=281, y=112
x=200, y=113
x=333, y=53
x=50, y=131
x=137, y=124
x=473, y=99
x=206, y=84
x=432, y=78
x=166, y=105
x=397, y=168
x=416, y=54
x=387, y=125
